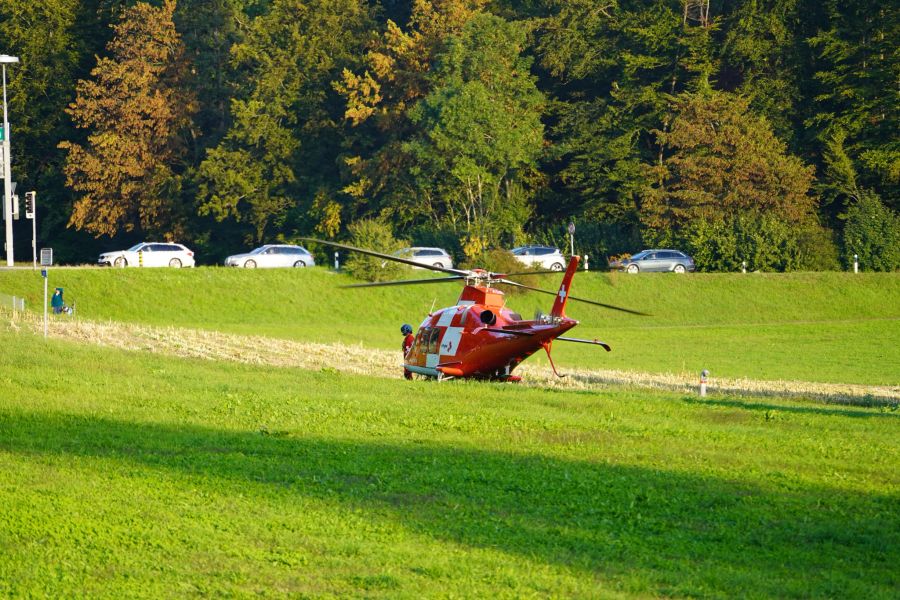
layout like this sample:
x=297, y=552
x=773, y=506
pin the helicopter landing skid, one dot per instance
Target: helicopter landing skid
x=546, y=346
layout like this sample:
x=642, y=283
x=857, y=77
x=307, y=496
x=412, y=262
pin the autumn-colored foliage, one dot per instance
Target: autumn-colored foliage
x=719, y=161
x=135, y=107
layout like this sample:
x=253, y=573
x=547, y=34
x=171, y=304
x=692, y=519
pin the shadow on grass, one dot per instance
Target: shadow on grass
x=684, y=534
x=833, y=409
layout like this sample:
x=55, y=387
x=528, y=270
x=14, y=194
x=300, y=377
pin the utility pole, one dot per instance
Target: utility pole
x=7, y=179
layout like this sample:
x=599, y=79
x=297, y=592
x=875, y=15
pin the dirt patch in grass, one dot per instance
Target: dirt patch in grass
x=360, y=360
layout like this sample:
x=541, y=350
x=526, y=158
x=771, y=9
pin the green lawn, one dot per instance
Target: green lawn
x=129, y=475
x=829, y=327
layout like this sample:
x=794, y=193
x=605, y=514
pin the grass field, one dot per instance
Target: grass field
x=124, y=474
x=827, y=327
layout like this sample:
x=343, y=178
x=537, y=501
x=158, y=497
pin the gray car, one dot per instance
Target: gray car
x=656, y=260
x=272, y=255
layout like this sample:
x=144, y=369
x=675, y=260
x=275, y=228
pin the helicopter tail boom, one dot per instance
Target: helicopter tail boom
x=562, y=296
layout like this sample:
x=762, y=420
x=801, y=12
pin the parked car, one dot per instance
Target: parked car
x=272, y=255
x=546, y=257
x=435, y=257
x=655, y=260
x=149, y=254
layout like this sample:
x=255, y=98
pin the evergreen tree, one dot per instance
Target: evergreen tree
x=47, y=38
x=858, y=67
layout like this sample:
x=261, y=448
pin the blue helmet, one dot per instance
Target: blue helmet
x=406, y=329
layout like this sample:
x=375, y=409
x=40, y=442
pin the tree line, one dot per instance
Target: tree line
x=743, y=131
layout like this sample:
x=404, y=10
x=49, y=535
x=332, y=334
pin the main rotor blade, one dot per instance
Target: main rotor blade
x=534, y=273
x=609, y=306
x=411, y=263
x=404, y=282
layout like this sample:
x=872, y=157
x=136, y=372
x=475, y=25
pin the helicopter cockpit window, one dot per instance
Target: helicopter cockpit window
x=433, y=341
x=514, y=316
x=421, y=339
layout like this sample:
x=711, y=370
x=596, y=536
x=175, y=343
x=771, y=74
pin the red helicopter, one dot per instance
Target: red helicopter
x=479, y=337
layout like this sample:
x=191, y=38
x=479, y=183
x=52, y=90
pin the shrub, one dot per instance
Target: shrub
x=764, y=241
x=377, y=236
x=873, y=232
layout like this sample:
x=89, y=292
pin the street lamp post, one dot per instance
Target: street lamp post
x=7, y=180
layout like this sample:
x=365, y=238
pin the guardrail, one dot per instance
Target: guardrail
x=13, y=302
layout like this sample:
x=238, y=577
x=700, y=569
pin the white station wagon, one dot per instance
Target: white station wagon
x=149, y=254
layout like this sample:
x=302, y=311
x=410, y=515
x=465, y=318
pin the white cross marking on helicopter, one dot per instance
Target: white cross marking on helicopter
x=562, y=293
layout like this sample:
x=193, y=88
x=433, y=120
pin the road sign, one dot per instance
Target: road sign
x=46, y=257
x=571, y=228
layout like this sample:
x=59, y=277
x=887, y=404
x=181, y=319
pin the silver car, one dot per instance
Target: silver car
x=435, y=257
x=546, y=257
x=656, y=260
x=272, y=255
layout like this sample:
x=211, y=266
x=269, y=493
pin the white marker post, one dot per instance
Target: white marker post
x=44, y=275
x=586, y=262
x=704, y=376
x=337, y=263
x=856, y=263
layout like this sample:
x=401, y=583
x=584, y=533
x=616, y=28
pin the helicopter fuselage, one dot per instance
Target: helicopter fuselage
x=480, y=337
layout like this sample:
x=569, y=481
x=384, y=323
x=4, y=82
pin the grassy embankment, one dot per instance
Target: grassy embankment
x=129, y=475
x=828, y=327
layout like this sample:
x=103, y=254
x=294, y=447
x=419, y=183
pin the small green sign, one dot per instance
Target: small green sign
x=2, y=134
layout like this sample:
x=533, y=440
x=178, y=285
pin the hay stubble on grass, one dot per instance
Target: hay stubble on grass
x=361, y=360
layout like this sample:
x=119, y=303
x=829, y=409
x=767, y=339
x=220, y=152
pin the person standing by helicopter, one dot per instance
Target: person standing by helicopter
x=408, y=339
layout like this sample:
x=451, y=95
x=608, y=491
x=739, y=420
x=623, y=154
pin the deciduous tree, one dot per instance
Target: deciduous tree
x=481, y=132
x=720, y=160
x=136, y=108
x=279, y=152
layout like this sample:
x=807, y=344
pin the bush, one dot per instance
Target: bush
x=764, y=241
x=374, y=235
x=818, y=249
x=873, y=232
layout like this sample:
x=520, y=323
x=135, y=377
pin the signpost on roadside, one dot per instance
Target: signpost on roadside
x=46, y=261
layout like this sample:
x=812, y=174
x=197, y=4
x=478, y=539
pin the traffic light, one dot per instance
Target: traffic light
x=29, y=204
